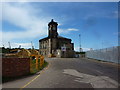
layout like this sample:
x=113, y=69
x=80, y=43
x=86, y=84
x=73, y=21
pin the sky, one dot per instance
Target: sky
x=96, y=22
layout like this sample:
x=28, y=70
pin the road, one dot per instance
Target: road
x=70, y=73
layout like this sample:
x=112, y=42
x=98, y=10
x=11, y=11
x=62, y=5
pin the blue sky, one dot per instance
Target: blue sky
x=97, y=22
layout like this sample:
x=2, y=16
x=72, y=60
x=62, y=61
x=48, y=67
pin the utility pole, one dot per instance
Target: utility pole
x=19, y=46
x=80, y=42
x=9, y=45
x=3, y=46
x=32, y=45
x=102, y=45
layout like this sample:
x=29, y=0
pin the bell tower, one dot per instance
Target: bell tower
x=52, y=29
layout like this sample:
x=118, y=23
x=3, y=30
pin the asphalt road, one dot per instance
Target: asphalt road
x=70, y=73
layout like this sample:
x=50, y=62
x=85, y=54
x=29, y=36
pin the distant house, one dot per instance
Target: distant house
x=55, y=45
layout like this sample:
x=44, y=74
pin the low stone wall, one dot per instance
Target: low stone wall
x=13, y=67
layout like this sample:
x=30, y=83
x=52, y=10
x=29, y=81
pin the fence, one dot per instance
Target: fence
x=107, y=54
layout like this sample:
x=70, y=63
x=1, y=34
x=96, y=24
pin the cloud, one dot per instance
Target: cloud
x=86, y=49
x=31, y=20
x=23, y=45
x=23, y=15
x=72, y=29
x=16, y=45
x=66, y=31
x=77, y=48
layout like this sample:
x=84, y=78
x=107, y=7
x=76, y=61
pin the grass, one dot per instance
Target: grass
x=33, y=69
x=44, y=65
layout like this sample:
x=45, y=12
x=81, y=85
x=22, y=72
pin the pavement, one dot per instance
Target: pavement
x=70, y=73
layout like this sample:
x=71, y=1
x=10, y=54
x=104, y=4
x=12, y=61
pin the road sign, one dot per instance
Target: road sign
x=63, y=48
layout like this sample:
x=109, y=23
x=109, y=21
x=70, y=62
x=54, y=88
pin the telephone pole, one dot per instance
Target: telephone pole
x=32, y=45
x=9, y=45
x=80, y=42
x=3, y=46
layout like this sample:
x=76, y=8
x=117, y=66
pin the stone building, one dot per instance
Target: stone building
x=55, y=45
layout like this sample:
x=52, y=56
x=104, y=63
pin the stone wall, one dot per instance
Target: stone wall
x=13, y=67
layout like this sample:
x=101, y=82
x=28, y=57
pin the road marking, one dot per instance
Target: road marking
x=95, y=81
x=35, y=77
x=30, y=81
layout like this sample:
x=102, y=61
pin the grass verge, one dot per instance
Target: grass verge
x=34, y=70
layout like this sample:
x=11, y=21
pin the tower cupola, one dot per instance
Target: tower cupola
x=52, y=29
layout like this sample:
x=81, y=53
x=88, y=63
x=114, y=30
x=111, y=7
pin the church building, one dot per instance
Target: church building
x=55, y=45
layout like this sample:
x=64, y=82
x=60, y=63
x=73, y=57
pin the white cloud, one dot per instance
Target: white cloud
x=24, y=16
x=72, y=29
x=62, y=30
x=23, y=45
x=16, y=45
x=86, y=49
x=77, y=49
x=30, y=19
x=66, y=31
